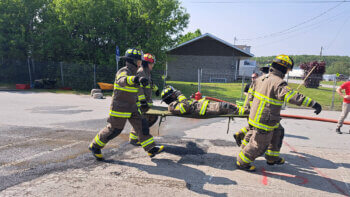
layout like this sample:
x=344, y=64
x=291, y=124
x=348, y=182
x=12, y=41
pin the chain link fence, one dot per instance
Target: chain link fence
x=224, y=86
x=62, y=74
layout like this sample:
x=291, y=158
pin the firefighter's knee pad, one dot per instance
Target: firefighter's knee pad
x=114, y=133
x=145, y=127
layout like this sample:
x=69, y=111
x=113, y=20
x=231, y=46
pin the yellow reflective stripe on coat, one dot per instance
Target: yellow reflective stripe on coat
x=123, y=74
x=307, y=101
x=272, y=153
x=130, y=79
x=244, y=158
x=142, y=97
x=204, y=108
x=241, y=110
x=181, y=108
x=133, y=136
x=147, y=86
x=98, y=141
x=138, y=103
x=126, y=88
x=262, y=126
x=289, y=95
x=244, y=130
x=150, y=104
x=267, y=99
x=120, y=114
x=244, y=142
x=181, y=98
x=260, y=111
x=147, y=142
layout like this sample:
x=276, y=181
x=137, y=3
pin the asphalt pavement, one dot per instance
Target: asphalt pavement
x=44, y=139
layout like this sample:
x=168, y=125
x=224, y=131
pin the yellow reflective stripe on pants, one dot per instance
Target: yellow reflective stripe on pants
x=244, y=130
x=150, y=104
x=307, y=101
x=147, y=142
x=126, y=88
x=244, y=158
x=204, y=108
x=272, y=153
x=138, y=104
x=134, y=137
x=130, y=80
x=181, y=98
x=262, y=126
x=142, y=97
x=264, y=98
x=289, y=95
x=244, y=142
x=120, y=114
x=98, y=141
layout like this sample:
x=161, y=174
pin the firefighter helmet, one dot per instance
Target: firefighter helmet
x=284, y=60
x=167, y=94
x=149, y=58
x=133, y=54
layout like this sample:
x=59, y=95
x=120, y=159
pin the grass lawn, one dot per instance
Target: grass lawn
x=339, y=83
x=232, y=92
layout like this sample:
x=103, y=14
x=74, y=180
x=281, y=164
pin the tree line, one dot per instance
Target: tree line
x=334, y=64
x=87, y=31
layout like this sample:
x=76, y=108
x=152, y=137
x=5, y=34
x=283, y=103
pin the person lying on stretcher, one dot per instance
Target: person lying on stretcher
x=180, y=105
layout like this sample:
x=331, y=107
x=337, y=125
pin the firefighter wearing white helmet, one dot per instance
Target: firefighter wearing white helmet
x=268, y=94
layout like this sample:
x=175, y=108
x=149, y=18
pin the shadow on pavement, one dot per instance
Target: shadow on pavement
x=296, y=136
x=306, y=172
x=194, y=178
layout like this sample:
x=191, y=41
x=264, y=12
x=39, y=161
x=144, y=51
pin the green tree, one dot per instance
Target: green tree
x=189, y=36
x=340, y=67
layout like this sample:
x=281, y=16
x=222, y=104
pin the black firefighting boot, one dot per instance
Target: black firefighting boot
x=237, y=139
x=338, y=130
x=96, y=152
x=278, y=162
x=155, y=150
x=248, y=168
x=135, y=142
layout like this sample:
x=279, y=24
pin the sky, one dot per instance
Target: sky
x=272, y=27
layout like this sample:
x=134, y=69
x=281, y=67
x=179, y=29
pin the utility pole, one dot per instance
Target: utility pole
x=234, y=40
x=321, y=51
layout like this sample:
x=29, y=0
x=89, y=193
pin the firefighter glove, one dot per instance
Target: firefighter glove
x=317, y=108
x=157, y=93
x=144, y=106
x=136, y=80
x=143, y=81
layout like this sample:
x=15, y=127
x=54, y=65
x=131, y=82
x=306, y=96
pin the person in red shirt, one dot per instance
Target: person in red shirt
x=346, y=104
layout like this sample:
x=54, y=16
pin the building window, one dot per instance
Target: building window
x=218, y=80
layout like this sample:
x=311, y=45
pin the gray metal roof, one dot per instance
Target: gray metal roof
x=215, y=38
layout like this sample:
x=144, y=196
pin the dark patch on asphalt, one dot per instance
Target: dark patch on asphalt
x=190, y=149
x=222, y=143
x=57, y=110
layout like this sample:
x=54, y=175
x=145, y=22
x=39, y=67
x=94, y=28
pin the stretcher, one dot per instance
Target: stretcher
x=163, y=113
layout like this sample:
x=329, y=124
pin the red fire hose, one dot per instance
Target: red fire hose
x=288, y=115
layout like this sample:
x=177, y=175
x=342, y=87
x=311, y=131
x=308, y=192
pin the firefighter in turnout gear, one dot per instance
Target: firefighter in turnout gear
x=123, y=108
x=268, y=94
x=180, y=105
x=240, y=135
x=145, y=95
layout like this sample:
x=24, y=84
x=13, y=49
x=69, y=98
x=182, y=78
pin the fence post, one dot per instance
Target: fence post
x=242, y=89
x=30, y=73
x=334, y=85
x=199, y=79
x=94, y=75
x=62, y=78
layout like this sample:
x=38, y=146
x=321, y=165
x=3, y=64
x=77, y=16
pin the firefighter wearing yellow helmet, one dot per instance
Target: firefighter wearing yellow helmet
x=268, y=94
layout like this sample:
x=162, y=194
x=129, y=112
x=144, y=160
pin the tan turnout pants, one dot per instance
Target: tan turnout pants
x=344, y=113
x=116, y=125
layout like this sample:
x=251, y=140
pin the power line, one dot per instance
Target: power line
x=290, y=28
x=336, y=36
